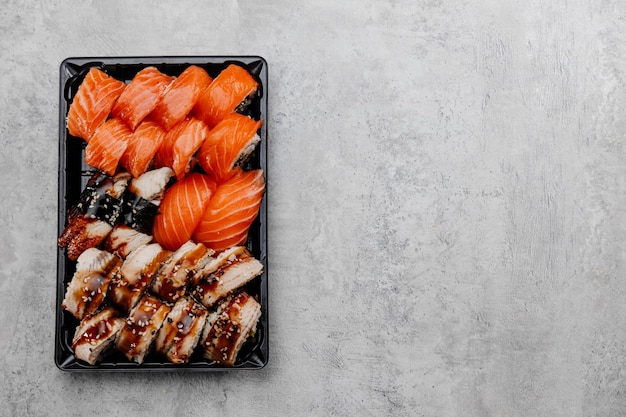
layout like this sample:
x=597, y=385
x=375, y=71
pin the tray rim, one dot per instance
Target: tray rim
x=78, y=366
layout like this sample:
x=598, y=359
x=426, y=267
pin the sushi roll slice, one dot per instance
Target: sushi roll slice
x=143, y=145
x=228, y=145
x=152, y=184
x=141, y=327
x=96, y=334
x=92, y=103
x=232, y=88
x=107, y=145
x=179, y=146
x=141, y=96
x=139, y=208
x=236, y=269
x=181, y=210
x=135, y=274
x=87, y=290
x=91, y=220
x=181, y=331
x=123, y=240
x=231, y=211
x=229, y=325
x=180, y=96
x=176, y=271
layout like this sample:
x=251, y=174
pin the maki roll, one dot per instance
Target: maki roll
x=96, y=334
x=87, y=290
x=141, y=327
x=91, y=220
x=228, y=328
x=176, y=271
x=181, y=330
x=135, y=275
x=233, y=268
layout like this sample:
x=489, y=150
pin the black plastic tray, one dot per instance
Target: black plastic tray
x=74, y=173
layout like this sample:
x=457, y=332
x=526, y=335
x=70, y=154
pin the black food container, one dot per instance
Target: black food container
x=74, y=174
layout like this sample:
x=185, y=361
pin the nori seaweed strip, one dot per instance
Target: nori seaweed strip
x=95, y=203
x=138, y=213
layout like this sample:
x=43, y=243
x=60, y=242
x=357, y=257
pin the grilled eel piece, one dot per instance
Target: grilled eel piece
x=228, y=327
x=91, y=220
x=141, y=327
x=140, y=205
x=181, y=330
x=96, y=334
x=87, y=290
x=135, y=275
x=229, y=270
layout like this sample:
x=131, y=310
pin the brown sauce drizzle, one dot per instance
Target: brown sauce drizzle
x=172, y=283
x=184, y=327
x=208, y=284
x=95, y=286
x=100, y=330
x=226, y=330
x=137, y=324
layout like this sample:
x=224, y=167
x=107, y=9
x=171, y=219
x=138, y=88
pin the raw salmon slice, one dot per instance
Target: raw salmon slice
x=181, y=210
x=224, y=94
x=141, y=96
x=228, y=145
x=92, y=103
x=180, y=144
x=143, y=145
x=180, y=97
x=231, y=211
x=107, y=145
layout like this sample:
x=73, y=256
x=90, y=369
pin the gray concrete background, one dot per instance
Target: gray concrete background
x=447, y=206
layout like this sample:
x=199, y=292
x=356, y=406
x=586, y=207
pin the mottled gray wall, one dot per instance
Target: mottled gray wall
x=446, y=193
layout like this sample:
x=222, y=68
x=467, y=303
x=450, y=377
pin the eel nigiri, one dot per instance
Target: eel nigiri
x=141, y=96
x=92, y=103
x=231, y=211
x=181, y=209
x=180, y=96
x=228, y=91
x=107, y=145
x=228, y=145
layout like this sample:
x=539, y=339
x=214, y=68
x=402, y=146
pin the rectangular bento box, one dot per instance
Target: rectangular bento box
x=74, y=174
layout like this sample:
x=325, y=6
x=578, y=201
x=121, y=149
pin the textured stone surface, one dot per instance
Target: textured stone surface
x=447, y=206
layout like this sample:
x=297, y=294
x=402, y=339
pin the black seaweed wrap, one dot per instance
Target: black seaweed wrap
x=138, y=213
x=94, y=202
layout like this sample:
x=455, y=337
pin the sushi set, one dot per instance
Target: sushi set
x=162, y=227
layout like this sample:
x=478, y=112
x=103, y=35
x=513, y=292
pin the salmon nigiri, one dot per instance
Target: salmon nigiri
x=231, y=211
x=107, y=145
x=180, y=96
x=180, y=144
x=224, y=94
x=92, y=103
x=228, y=145
x=141, y=96
x=143, y=145
x=181, y=209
